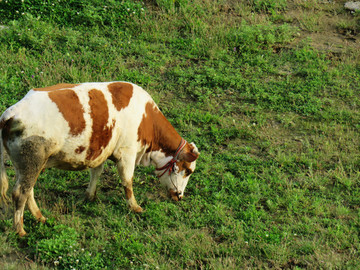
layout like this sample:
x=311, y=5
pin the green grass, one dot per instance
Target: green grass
x=275, y=116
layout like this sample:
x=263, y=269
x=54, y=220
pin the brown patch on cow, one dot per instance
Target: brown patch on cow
x=101, y=133
x=128, y=193
x=173, y=195
x=6, y=126
x=121, y=94
x=156, y=132
x=70, y=107
x=184, y=166
x=79, y=150
x=2, y=123
x=12, y=128
x=56, y=87
x=188, y=154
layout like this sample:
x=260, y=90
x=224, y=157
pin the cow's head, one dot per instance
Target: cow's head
x=177, y=176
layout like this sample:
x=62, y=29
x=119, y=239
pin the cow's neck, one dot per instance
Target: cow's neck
x=158, y=135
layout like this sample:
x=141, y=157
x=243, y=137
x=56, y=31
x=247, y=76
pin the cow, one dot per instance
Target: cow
x=80, y=126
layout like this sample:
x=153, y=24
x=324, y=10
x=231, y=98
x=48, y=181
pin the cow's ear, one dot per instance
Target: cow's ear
x=190, y=153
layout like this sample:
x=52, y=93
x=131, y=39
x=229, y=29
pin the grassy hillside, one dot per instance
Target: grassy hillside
x=268, y=90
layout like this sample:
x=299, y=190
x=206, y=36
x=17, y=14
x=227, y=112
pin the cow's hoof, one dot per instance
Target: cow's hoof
x=90, y=197
x=137, y=209
x=22, y=233
x=42, y=219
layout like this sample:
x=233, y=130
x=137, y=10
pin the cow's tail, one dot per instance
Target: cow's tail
x=4, y=183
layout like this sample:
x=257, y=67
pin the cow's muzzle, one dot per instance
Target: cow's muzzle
x=176, y=196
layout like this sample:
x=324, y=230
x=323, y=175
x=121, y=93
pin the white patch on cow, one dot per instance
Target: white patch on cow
x=127, y=130
x=38, y=114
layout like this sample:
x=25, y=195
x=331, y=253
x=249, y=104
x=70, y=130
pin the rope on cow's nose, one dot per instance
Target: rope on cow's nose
x=176, y=188
x=170, y=165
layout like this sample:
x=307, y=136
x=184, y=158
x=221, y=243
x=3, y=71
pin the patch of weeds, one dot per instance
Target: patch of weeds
x=60, y=246
x=5, y=224
x=310, y=63
x=221, y=135
x=255, y=38
x=349, y=29
x=130, y=246
x=56, y=243
x=74, y=13
x=36, y=35
x=80, y=259
x=273, y=235
x=170, y=5
x=9, y=82
x=268, y=5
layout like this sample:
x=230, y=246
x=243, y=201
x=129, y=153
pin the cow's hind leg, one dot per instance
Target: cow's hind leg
x=34, y=209
x=94, y=176
x=23, y=193
x=4, y=183
x=29, y=158
x=19, y=197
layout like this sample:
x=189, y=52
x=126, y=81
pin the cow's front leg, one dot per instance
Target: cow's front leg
x=94, y=176
x=126, y=171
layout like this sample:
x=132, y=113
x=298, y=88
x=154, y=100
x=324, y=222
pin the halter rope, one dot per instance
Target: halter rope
x=170, y=165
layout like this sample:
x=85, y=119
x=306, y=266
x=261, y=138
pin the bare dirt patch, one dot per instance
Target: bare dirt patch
x=327, y=26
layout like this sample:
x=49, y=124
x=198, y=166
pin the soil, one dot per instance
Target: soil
x=335, y=30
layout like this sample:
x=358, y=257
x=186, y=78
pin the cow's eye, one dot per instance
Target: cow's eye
x=188, y=172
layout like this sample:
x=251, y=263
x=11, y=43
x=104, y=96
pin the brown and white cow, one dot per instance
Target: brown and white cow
x=80, y=126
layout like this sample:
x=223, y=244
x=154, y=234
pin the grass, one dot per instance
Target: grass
x=268, y=90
